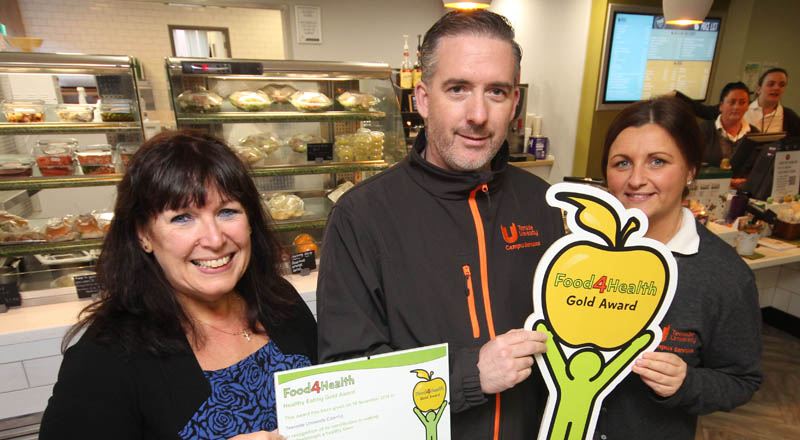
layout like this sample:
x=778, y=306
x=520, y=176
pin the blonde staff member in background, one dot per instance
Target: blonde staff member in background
x=766, y=112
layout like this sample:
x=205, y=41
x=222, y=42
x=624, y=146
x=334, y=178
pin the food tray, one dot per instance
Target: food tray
x=74, y=257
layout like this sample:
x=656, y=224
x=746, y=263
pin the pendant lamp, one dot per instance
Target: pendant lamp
x=467, y=5
x=686, y=12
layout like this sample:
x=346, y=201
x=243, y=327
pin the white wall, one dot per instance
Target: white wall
x=366, y=30
x=116, y=27
x=553, y=35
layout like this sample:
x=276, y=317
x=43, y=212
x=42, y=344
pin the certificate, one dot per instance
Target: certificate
x=402, y=395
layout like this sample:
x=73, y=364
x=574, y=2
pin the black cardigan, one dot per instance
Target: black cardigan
x=104, y=393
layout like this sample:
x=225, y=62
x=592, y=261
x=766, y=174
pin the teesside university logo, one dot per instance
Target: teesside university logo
x=519, y=236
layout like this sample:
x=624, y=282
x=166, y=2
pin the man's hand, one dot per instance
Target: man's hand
x=663, y=372
x=507, y=359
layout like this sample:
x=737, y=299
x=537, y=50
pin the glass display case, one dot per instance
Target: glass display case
x=55, y=196
x=305, y=128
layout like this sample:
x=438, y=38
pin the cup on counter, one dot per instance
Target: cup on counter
x=746, y=242
x=747, y=236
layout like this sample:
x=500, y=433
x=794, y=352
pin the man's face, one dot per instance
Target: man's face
x=468, y=102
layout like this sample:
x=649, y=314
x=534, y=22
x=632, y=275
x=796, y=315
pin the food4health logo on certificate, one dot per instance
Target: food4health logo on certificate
x=401, y=395
x=599, y=294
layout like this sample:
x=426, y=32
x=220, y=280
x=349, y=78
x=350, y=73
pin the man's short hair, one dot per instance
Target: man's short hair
x=476, y=22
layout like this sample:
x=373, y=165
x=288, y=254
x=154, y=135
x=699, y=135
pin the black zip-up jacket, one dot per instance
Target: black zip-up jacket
x=418, y=255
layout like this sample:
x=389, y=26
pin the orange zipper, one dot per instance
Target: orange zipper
x=476, y=217
x=487, y=307
x=473, y=316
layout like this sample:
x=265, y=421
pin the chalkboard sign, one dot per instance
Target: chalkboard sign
x=321, y=151
x=304, y=260
x=9, y=295
x=86, y=285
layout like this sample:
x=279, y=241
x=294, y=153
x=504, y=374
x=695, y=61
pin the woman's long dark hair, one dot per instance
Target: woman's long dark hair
x=138, y=308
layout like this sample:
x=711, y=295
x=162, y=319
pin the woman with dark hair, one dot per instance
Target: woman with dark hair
x=194, y=316
x=724, y=134
x=708, y=359
x=766, y=113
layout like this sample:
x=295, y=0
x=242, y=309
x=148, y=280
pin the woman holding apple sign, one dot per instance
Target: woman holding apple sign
x=708, y=359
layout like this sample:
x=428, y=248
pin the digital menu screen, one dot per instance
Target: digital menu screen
x=648, y=57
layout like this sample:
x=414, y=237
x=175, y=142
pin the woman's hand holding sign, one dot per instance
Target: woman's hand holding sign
x=507, y=359
x=663, y=372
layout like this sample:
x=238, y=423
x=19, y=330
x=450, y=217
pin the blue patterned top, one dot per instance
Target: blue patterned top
x=242, y=396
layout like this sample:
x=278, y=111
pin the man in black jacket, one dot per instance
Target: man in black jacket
x=443, y=246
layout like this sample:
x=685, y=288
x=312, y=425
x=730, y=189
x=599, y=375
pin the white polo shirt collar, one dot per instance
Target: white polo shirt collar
x=686, y=241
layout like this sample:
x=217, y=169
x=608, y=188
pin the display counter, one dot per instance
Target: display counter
x=30, y=337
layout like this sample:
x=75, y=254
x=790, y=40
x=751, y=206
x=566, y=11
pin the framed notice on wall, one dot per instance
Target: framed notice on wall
x=308, y=20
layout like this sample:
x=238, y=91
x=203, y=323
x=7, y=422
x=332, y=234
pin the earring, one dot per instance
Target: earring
x=689, y=182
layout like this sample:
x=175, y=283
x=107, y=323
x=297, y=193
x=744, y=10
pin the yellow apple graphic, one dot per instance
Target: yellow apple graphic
x=589, y=283
x=428, y=393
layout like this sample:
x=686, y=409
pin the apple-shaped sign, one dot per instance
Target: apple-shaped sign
x=601, y=291
x=590, y=282
x=428, y=393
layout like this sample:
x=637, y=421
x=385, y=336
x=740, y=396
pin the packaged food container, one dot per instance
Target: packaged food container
x=75, y=112
x=279, y=92
x=310, y=101
x=250, y=101
x=23, y=112
x=15, y=165
x=54, y=156
x=95, y=159
x=117, y=111
x=357, y=101
x=126, y=152
x=199, y=101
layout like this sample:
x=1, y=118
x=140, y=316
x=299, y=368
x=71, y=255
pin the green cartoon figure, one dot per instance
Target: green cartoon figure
x=580, y=379
x=599, y=294
x=429, y=403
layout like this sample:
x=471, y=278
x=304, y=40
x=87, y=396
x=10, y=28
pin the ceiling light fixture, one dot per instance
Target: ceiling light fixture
x=467, y=5
x=686, y=12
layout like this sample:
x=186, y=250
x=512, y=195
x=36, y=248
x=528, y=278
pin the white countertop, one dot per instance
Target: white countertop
x=23, y=324
x=773, y=257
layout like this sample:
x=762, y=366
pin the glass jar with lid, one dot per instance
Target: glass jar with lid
x=54, y=156
x=117, y=110
x=126, y=152
x=15, y=165
x=96, y=159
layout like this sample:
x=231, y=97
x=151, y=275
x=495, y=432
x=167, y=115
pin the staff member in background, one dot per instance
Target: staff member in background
x=767, y=113
x=194, y=318
x=443, y=246
x=710, y=352
x=724, y=135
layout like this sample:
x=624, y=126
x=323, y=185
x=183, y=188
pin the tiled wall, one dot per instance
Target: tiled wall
x=116, y=27
x=29, y=366
x=29, y=363
x=779, y=287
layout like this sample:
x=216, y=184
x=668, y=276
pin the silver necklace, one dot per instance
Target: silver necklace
x=242, y=332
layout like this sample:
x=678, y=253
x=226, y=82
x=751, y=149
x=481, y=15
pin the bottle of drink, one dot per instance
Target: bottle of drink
x=405, y=69
x=417, y=73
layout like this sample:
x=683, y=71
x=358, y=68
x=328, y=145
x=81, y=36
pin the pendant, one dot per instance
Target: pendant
x=246, y=335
